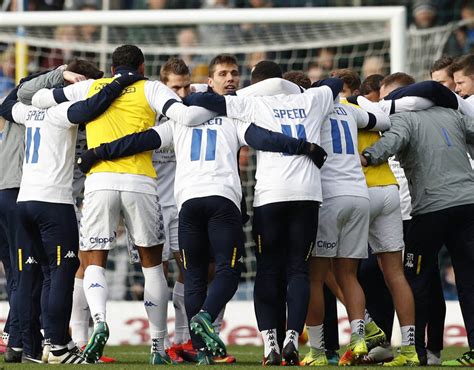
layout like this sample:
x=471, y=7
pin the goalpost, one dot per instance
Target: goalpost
x=296, y=38
x=395, y=16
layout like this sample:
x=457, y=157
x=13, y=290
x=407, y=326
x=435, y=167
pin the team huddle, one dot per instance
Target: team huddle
x=332, y=217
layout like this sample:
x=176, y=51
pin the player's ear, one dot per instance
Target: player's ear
x=112, y=69
x=210, y=82
x=141, y=69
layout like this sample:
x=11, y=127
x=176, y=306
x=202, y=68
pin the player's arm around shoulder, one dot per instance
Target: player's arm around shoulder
x=369, y=116
x=165, y=101
x=271, y=141
x=46, y=98
x=47, y=80
x=14, y=111
x=126, y=146
x=391, y=142
x=270, y=86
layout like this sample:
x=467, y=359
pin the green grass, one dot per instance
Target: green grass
x=136, y=357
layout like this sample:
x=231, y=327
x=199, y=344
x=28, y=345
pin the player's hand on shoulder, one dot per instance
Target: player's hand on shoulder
x=316, y=153
x=191, y=98
x=128, y=79
x=73, y=77
x=86, y=160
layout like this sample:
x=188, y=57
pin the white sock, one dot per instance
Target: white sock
x=291, y=336
x=270, y=341
x=358, y=327
x=5, y=337
x=408, y=335
x=71, y=345
x=155, y=297
x=80, y=315
x=96, y=291
x=181, y=330
x=217, y=324
x=57, y=347
x=166, y=341
x=367, y=317
x=316, y=336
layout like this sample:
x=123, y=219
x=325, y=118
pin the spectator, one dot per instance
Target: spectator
x=326, y=58
x=424, y=14
x=65, y=36
x=250, y=62
x=187, y=39
x=7, y=71
x=315, y=72
x=88, y=33
x=373, y=65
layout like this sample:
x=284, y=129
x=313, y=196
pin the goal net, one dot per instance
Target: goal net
x=315, y=40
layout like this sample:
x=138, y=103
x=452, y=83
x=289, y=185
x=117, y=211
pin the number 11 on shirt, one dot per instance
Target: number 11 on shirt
x=196, y=142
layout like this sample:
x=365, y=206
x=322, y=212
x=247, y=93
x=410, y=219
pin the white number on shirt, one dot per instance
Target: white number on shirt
x=336, y=137
x=210, y=146
x=32, y=156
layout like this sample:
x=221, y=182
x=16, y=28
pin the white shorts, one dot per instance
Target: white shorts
x=386, y=226
x=101, y=214
x=170, y=218
x=343, y=227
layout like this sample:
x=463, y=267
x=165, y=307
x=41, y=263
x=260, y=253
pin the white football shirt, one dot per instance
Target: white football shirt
x=157, y=95
x=282, y=177
x=164, y=162
x=48, y=165
x=206, y=158
x=342, y=172
x=403, y=191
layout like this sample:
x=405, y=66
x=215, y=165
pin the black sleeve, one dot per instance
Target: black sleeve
x=270, y=141
x=59, y=96
x=129, y=145
x=439, y=94
x=335, y=84
x=6, y=109
x=208, y=100
x=86, y=110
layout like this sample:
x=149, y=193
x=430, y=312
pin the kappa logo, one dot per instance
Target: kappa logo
x=30, y=260
x=70, y=254
x=95, y=285
x=150, y=304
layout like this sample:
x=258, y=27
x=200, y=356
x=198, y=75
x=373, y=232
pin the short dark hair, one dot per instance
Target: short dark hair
x=264, y=70
x=298, y=77
x=175, y=66
x=371, y=83
x=127, y=56
x=398, y=78
x=350, y=77
x=464, y=63
x=442, y=63
x=85, y=68
x=221, y=59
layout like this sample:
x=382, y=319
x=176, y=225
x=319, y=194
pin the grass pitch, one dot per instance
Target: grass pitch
x=136, y=358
